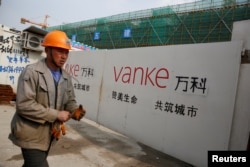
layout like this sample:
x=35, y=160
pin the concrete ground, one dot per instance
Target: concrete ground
x=86, y=144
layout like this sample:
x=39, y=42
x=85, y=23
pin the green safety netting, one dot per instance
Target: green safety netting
x=198, y=22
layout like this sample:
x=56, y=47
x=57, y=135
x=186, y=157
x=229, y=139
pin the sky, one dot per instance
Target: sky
x=62, y=11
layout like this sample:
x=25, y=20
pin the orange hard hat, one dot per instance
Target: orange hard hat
x=57, y=39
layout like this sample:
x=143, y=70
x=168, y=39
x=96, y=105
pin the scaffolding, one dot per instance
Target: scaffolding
x=202, y=21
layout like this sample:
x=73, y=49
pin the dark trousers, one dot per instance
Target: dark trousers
x=35, y=158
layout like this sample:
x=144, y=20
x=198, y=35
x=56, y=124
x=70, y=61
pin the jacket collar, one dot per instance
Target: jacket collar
x=43, y=68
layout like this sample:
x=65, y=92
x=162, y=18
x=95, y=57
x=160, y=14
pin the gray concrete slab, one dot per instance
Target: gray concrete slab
x=86, y=143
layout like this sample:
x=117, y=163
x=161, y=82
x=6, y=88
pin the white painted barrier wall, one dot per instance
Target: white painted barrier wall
x=87, y=71
x=241, y=120
x=177, y=99
x=12, y=57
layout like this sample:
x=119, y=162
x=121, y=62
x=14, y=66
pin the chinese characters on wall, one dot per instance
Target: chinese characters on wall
x=124, y=97
x=86, y=72
x=16, y=59
x=184, y=84
x=145, y=76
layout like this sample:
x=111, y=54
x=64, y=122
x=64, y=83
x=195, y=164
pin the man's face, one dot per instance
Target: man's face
x=60, y=56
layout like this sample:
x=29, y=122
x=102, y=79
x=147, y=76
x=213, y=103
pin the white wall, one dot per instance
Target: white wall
x=12, y=58
x=241, y=31
x=241, y=120
x=87, y=68
x=140, y=108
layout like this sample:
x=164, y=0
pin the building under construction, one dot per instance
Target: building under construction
x=198, y=22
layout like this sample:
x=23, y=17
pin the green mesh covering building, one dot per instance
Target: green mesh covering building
x=198, y=22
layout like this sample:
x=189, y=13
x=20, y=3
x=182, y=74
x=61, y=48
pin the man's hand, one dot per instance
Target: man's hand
x=79, y=113
x=58, y=126
x=63, y=116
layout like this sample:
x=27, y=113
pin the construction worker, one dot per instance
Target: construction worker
x=45, y=95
